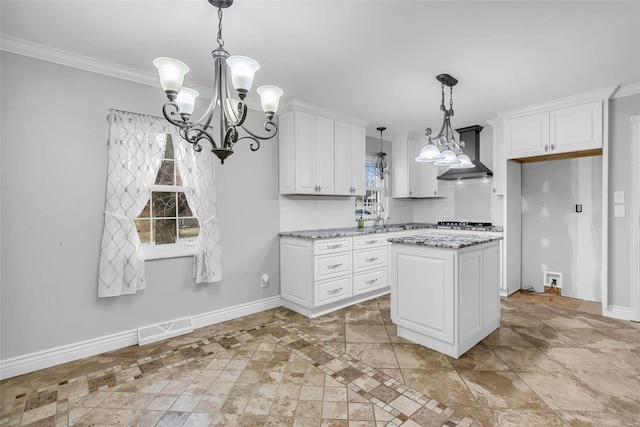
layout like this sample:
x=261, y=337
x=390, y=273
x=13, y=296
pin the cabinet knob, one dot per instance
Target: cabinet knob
x=410, y=192
x=435, y=192
x=494, y=190
x=546, y=148
x=553, y=147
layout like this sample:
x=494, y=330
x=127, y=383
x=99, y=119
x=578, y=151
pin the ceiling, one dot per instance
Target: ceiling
x=375, y=60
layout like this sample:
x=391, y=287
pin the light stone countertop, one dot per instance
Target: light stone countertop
x=331, y=233
x=442, y=239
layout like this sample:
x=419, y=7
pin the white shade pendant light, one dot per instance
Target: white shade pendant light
x=444, y=149
x=241, y=71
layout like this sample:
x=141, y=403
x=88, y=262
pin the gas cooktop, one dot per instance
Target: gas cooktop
x=464, y=224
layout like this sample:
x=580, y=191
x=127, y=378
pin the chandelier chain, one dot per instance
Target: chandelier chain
x=451, y=100
x=220, y=40
x=442, y=107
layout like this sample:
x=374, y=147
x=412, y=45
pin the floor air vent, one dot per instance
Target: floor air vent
x=162, y=331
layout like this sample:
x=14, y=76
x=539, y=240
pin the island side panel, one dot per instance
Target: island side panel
x=422, y=295
x=491, y=274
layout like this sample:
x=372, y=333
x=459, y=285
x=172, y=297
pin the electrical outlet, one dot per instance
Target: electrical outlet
x=264, y=280
x=579, y=208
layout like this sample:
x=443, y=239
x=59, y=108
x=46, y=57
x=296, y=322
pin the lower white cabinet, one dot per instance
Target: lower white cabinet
x=319, y=276
x=445, y=299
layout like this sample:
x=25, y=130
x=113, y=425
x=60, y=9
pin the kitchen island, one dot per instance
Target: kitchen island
x=445, y=289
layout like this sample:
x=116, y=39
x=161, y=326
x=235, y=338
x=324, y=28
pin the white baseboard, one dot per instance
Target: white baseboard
x=46, y=358
x=622, y=313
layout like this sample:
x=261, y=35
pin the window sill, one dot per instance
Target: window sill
x=178, y=250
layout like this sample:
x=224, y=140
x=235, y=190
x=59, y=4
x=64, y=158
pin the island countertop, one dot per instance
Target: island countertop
x=442, y=239
x=331, y=233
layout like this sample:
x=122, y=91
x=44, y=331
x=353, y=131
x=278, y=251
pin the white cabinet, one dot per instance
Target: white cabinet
x=316, y=149
x=350, y=155
x=445, y=299
x=570, y=129
x=499, y=161
x=527, y=136
x=306, y=154
x=576, y=128
x=411, y=179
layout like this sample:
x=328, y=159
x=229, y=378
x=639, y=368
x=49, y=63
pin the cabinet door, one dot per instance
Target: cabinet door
x=423, y=177
x=343, y=171
x=358, y=138
x=287, y=153
x=325, y=160
x=576, y=128
x=305, y=149
x=527, y=136
x=498, y=161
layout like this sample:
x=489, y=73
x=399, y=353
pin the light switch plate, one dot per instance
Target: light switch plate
x=618, y=196
x=619, y=211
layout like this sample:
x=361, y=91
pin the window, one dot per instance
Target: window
x=167, y=219
x=367, y=206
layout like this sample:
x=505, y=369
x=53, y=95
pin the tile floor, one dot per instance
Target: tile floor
x=551, y=363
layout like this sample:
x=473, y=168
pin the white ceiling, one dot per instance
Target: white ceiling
x=375, y=60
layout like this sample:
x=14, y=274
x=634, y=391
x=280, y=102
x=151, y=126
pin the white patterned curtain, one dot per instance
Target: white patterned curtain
x=198, y=177
x=136, y=148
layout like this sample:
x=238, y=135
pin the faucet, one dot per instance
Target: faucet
x=379, y=212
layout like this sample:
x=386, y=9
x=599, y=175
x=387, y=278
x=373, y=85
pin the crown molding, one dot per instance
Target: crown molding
x=93, y=65
x=627, y=90
x=299, y=105
x=583, y=98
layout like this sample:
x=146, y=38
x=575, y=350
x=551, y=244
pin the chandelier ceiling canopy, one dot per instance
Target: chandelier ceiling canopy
x=232, y=112
x=444, y=149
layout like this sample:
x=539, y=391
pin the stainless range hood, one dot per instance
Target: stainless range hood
x=471, y=137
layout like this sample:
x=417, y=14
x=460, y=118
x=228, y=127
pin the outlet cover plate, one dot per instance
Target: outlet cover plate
x=619, y=211
x=618, y=196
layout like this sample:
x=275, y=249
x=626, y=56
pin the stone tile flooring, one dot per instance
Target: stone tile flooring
x=547, y=365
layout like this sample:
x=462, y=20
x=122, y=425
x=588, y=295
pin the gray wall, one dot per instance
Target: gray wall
x=554, y=236
x=53, y=175
x=620, y=164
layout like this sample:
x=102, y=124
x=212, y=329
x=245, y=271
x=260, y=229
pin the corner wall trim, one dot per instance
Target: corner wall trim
x=622, y=313
x=46, y=358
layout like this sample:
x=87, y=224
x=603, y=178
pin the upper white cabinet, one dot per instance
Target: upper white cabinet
x=319, y=154
x=527, y=136
x=350, y=154
x=576, y=128
x=498, y=157
x=565, y=126
x=411, y=179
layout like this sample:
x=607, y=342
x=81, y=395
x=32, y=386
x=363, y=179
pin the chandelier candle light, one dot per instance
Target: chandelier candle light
x=232, y=111
x=444, y=149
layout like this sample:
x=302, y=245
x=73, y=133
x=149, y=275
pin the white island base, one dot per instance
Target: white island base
x=445, y=299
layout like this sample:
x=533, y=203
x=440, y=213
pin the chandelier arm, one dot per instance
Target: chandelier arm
x=269, y=126
x=194, y=135
x=228, y=111
x=166, y=111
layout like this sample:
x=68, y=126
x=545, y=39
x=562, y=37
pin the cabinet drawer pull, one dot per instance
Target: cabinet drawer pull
x=339, y=245
x=371, y=259
x=553, y=147
x=371, y=242
x=546, y=148
x=369, y=282
x=333, y=266
x=335, y=291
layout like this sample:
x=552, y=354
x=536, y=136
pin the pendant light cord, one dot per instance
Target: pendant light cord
x=220, y=41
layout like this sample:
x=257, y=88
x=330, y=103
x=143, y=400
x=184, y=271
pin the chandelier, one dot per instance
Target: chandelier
x=381, y=163
x=233, y=112
x=444, y=149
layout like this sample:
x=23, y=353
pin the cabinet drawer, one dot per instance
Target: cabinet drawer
x=331, y=245
x=333, y=290
x=369, y=258
x=332, y=265
x=370, y=241
x=369, y=280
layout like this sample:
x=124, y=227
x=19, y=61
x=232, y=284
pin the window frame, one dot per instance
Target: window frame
x=182, y=247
